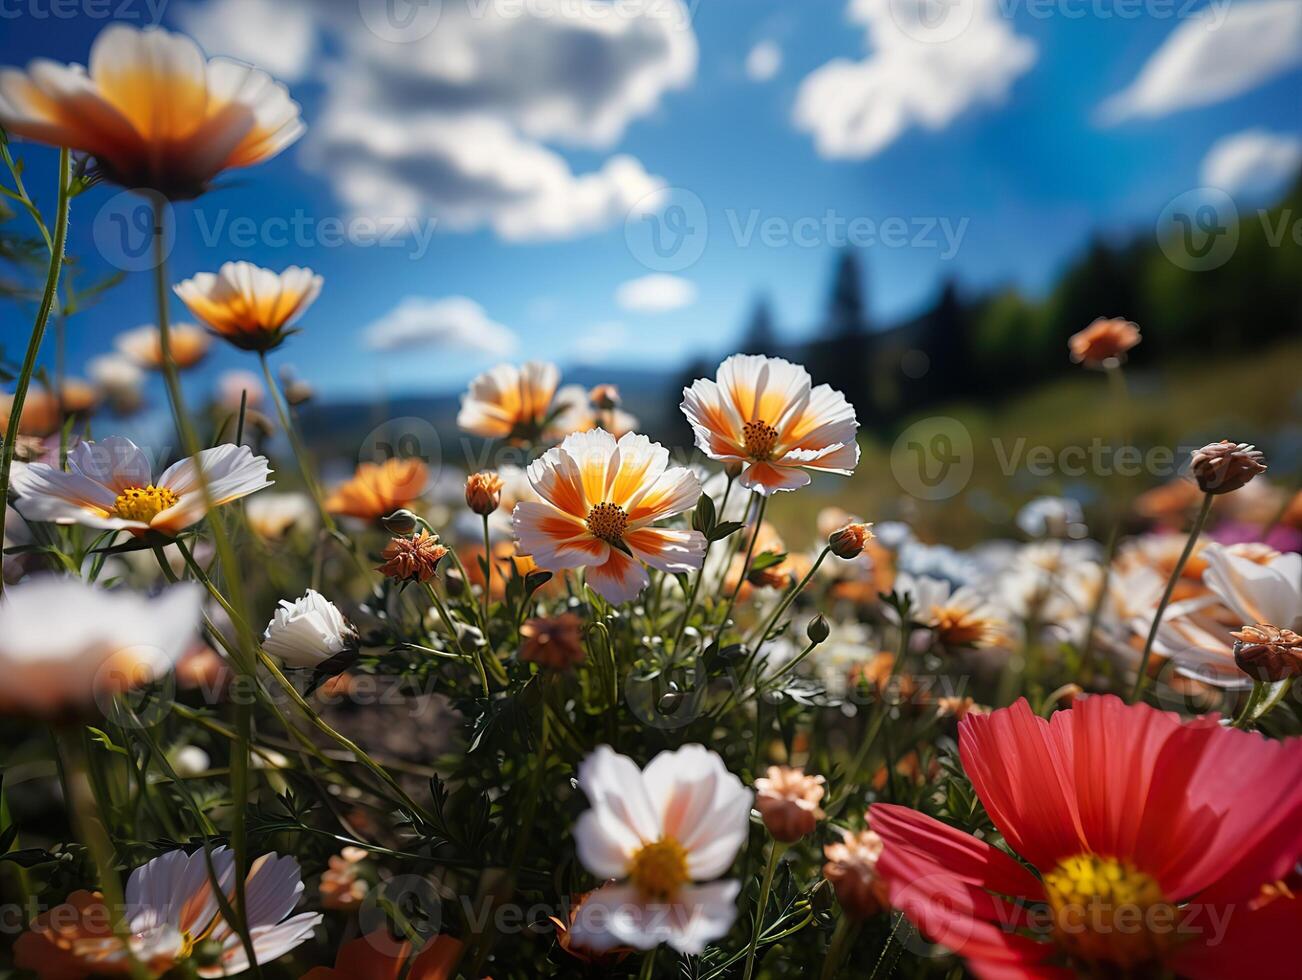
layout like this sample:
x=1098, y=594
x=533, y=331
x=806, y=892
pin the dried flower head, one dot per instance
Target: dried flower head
x=788, y=801
x=849, y=541
x=1222, y=467
x=1103, y=342
x=852, y=870
x=483, y=492
x=1268, y=653
x=412, y=559
x=555, y=643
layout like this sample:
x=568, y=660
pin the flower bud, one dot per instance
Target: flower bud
x=1268, y=653
x=788, y=801
x=483, y=492
x=400, y=522
x=1222, y=467
x=852, y=869
x=848, y=542
x=818, y=629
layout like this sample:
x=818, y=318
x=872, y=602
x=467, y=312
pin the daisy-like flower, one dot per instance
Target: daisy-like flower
x=1161, y=847
x=599, y=500
x=309, y=631
x=513, y=402
x=152, y=110
x=376, y=490
x=64, y=645
x=189, y=345
x=275, y=515
x=109, y=485
x=172, y=915
x=965, y=620
x=764, y=414
x=1104, y=342
x=249, y=306
x=119, y=380
x=1266, y=591
x=664, y=834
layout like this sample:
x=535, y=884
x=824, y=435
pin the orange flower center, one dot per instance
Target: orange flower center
x=760, y=438
x=659, y=869
x=143, y=503
x=1107, y=910
x=607, y=521
x=961, y=628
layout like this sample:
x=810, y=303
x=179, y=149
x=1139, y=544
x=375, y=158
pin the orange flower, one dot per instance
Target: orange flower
x=412, y=559
x=852, y=869
x=378, y=489
x=788, y=801
x=251, y=307
x=511, y=402
x=342, y=888
x=483, y=492
x=764, y=414
x=378, y=956
x=1103, y=342
x=152, y=110
x=556, y=643
x=189, y=344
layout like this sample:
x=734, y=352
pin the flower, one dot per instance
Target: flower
x=1267, y=653
x=172, y=916
x=272, y=516
x=570, y=935
x=664, y=834
x=236, y=388
x=1222, y=467
x=152, y=111
x=1144, y=831
x=849, y=541
x=342, y=888
x=378, y=956
x=119, y=380
x=555, y=643
x=604, y=398
x=309, y=631
x=412, y=559
x=958, y=708
x=483, y=492
x=966, y=620
x=65, y=644
x=376, y=490
x=1256, y=591
x=1104, y=342
x=762, y=413
x=852, y=870
x=1052, y=517
x=788, y=801
x=41, y=416
x=144, y=346
x=511, y=402
x=109, y=485
x=249, y=306
x=599, y=500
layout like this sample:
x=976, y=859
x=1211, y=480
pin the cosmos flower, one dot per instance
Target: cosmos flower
x=512, y=402
x=119, y=380
x=600, y=499
x=189, y=345
x=763, y=414
x=109, y=485
x=1145, y=833
x=376, y=490
x=852, y=870
x=1104, y=342
x=172, y=915
x=272, y=516
x=152, y=111
x=65, y=644
x=251, y=307
x=664, y=834
x=308, y=631
x=788, y=801
x=1257, y=591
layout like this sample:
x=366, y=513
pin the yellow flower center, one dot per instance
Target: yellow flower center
x=607, y=521
x=760, y=438
x=659, y=869
x=143, y=503
x=1106, y=910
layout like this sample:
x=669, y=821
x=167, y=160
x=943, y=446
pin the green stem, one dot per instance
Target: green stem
x=648, y=964
x=444, y=615
x=842, y=939
x=488, y=577
x=775, y=854
x=745, y=567
x=296, y=444
x=1199, y=521
x=48, y=298
x=759, y=639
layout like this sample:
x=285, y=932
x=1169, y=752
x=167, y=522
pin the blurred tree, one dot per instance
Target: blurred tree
x=760, y=337
x=842, y=355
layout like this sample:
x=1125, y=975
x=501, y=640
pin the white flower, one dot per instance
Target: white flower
x=1052, y=517
x=664, y=834
x=274, y=515
x=110, y=485
x=190, y=760
x=308, y=632
x=64, y=643
x=1267, y=591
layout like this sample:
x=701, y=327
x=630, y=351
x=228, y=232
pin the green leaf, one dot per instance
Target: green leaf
x=725, y=529
x=703, y=516
x=767, y=559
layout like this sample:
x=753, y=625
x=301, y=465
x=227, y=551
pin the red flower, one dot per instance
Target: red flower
x=1160, y=846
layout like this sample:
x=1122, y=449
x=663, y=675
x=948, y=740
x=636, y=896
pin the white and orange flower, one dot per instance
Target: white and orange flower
x=514, y=402
x=764, y=414
x=376, y=490
x=251, y=307
x=171, y=913
x=189, y=344
x=152, y=110
x=109, y=485
x=599, y=500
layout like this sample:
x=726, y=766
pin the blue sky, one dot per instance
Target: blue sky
x=988, y=151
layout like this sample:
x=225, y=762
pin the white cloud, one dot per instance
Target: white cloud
x=278, y=38
x=920, y=71
x=656, y=294
x=460, y=117
x=764, y=61
x=453, y=322
x=1254, y=163
x=1203, y=62
x=599, y=343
